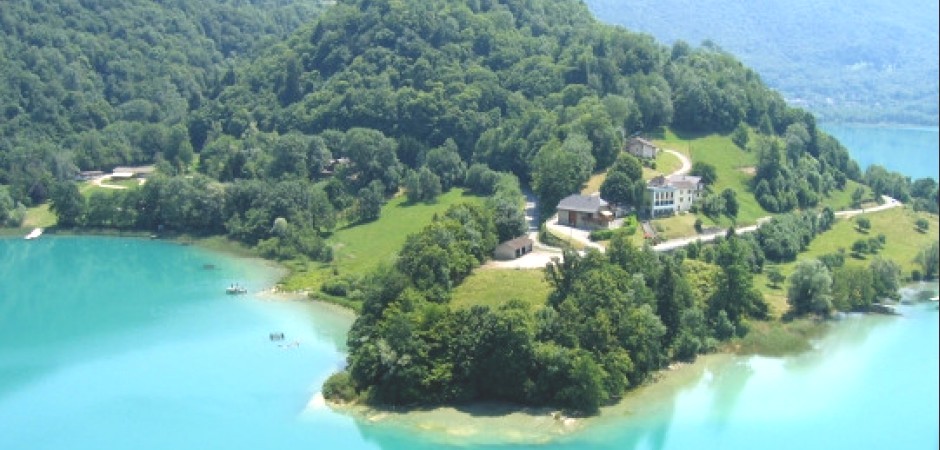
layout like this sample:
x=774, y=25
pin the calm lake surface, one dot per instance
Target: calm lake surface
x=122, y=343
x=913, y=151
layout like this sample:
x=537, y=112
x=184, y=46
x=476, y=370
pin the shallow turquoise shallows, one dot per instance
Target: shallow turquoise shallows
x=133, y=344
x=913, y=151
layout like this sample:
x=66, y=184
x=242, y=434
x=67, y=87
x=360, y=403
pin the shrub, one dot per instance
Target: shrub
x=339, y=387
x=601, y=235
x=337, y=287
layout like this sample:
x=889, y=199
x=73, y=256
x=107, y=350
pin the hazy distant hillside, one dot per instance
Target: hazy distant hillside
x=864, y=60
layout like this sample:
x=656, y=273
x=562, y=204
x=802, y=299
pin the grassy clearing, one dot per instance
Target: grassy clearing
x=667, y=163
x=903, y=244
x=897, y=224
x=775, y=338
x=39, y=216
x=566, y=239
x=677, y=226
x=359, y=249
x=841, y=200
x=734, y=167
x=87, y=187
x=594, y=183
x=495, y=287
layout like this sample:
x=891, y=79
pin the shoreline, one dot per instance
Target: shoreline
x=502, y=423
x=486, y=423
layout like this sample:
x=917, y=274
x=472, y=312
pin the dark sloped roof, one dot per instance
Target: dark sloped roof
x=519, y=242
x=643, y=141
x=582, y=203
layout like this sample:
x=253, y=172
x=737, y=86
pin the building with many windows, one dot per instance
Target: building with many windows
x=673, y=194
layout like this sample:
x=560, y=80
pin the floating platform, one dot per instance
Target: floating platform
x=236, y=290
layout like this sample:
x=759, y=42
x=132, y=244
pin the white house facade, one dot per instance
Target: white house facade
x=673, y=194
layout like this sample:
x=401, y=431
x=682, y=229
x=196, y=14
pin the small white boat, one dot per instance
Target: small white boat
x=34, y=234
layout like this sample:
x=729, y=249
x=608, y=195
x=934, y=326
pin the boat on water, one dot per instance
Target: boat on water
x=235, y=289
x=33, y=234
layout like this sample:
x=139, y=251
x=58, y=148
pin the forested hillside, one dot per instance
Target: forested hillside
x=95, y=84
x=537, y=89
x=865, y=61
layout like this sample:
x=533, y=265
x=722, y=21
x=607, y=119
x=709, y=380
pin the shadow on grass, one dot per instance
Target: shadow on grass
x=688, y=135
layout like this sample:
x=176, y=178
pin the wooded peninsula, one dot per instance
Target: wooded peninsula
x=381, y=149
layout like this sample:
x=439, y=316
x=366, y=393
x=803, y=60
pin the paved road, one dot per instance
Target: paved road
x=888, y=204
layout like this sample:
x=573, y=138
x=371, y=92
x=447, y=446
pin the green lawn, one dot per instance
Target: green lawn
x=39, y=216
x=361, y=248
x=734, y=167
x=88, y=187
x=594, y=183
x=493, y=287
x=897, y=224
x=681, y=225
x=902, y=245
x=667, y=163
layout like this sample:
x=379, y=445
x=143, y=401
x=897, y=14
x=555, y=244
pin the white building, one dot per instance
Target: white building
x=673, y=194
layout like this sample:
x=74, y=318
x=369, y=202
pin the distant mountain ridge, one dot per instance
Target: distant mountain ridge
x=871, y=61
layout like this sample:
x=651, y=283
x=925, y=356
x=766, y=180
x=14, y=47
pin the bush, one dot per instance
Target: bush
x=601, y=235
x=339, y=387
x=337, y=287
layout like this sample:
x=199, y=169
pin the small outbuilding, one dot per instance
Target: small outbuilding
x=513, y=248
x=641, y=148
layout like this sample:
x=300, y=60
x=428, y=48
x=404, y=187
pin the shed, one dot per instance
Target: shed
x=513, y=248
x=641, y=148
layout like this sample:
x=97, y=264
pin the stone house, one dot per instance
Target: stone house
x=584, y=211
x=641, y=148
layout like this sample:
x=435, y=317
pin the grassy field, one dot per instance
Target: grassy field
x=667, y=163
x=594, y=183
x=902, y=245
x=677, y=226
x=88, y=187
x=361, y=248
x=775, y=338
x=39, y=216
x=734, y=167
x=494, y=287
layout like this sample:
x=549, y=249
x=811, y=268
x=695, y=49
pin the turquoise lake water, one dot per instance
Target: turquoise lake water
x=913, y=151
x=119, y=343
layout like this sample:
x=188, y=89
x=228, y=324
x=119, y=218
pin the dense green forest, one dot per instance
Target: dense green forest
x=96, y=84
x=872, y=61
x=379, y=98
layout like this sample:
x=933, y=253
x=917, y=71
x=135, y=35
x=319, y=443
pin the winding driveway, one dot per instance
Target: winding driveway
x=686, y=163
